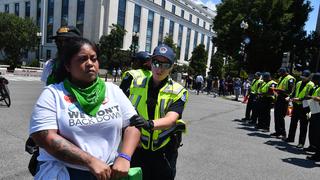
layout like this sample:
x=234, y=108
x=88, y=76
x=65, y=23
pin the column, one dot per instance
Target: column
x=127, y=40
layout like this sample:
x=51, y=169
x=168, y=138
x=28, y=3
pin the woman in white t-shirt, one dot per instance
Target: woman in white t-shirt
x=78, y=123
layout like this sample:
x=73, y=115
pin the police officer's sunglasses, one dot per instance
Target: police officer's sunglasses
x=162, y=65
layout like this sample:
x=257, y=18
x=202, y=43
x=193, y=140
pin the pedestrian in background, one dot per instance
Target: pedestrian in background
x=114, y=74
x=68, y=121
x=237, y=88
x=199, y=81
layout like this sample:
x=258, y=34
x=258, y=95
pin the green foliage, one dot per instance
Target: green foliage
x=110, y=44
x=198, y=60
x=34, y=63
x=275, y=26
x=121, y=59
x=16, y=36
x=168, y=40
x=216, y=66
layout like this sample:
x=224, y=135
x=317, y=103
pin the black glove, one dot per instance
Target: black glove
x=140, y=122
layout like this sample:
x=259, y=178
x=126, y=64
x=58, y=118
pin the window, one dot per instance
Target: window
x=27, y=9
x=16, y=9
x=182, y=13
x=202, y=39
x=190, y=17
x=180, y=35
x=204, y=24
x=208, y=43
x=195, y=42
x=163, y=4
x=6, y=8
x=149, y=31
x=173, y=10
x=64, y=12
x=50, y=20
x=137, y=17
x=171, y=28
x=38, y=12
x=186, y=56
x=197, y=21
x=121, y=12
x=80, y=15
x=160, y=39
x=48, y=54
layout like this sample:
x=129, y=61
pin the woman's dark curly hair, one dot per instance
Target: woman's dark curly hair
x=69, y=49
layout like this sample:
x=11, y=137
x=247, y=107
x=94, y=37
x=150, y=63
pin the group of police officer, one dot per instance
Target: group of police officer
x=304, y=95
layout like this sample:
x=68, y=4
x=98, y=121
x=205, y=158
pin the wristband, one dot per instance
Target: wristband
x=125, y=156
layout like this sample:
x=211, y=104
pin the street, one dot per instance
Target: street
x=216, y=146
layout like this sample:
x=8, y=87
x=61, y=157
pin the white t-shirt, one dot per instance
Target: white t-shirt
x=100, y=136
x=199, y=78
x=47, y=70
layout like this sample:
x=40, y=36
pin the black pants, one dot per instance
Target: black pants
x=199, y=84
x=156, y=165
x=280, y=111
x=298, y=113
x=250, y=104
x=264, y=108
x=314, y=131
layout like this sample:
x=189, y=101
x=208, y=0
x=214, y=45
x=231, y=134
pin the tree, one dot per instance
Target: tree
x=17, y=35
x=274, y=27
x=168, y=40
x=198, y=60
x=110, y=44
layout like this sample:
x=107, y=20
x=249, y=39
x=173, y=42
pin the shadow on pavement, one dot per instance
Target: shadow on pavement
x=248, y=128
x=237, y=120
x=301, y=162
x=259, y=135
x=283, y=146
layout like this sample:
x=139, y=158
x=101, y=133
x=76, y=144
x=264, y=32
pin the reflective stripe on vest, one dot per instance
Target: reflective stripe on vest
x=316, y=92
x=283, y=82
x=171, y=92
x=305, y=91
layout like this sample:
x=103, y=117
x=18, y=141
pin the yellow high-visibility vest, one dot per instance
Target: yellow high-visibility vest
x=168, y=94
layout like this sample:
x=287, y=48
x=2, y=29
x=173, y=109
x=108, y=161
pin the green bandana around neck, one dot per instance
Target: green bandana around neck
x=89, y=98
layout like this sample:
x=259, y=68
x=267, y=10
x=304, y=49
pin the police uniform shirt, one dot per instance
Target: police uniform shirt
x=153, y=92
x=126, y=83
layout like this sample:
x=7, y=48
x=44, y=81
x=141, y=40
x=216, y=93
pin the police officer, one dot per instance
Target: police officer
x=50, y=71
x=140, y=68
x=257, y=81
x=314, y=123
x=283, y=90
x=266, y=97
x=160, y=102
x=299, y=112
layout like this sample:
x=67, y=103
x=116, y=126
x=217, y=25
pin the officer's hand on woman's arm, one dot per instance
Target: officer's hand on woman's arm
x=166, y=122
x=66, y=151
x=121, y=165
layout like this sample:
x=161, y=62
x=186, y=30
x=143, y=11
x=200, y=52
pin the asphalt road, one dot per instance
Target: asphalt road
x=217, y=145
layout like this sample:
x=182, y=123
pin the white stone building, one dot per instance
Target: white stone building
x=188, y=23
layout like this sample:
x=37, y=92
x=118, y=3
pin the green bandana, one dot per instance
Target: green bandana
x=89, y=98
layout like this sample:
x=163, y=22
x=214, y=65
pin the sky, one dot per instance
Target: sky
x=310, y=24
